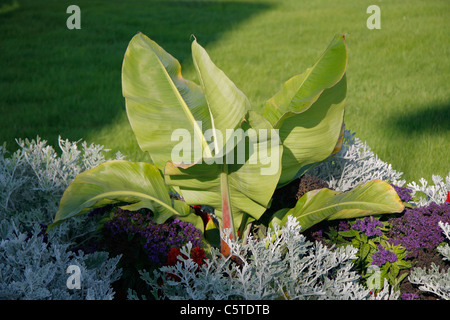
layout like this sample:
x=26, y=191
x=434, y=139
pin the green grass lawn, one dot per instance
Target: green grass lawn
x=55, y=81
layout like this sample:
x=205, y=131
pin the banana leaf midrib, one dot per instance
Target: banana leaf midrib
x=186, y=109
x=112, y=195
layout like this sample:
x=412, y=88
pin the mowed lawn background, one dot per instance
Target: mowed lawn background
x=55, y=81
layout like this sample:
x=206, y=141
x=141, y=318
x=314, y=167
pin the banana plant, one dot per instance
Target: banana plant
x=301, y=125
x=308, y=112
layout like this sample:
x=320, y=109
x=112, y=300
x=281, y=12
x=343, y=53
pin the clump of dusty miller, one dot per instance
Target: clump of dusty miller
x=427, y=193
x=33, y=264
x=36, y=175
x=434, y=280
x=282, y=265
x=354, y=164
x=35, y=268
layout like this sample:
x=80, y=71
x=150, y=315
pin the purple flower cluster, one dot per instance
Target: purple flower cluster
x=403, y=192
x=368, y=225
x=409, y=296
x=418, y=228
x=157, y=239
x=343, y=225
x=382, y=256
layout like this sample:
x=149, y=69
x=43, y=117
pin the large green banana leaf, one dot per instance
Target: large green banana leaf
x=373, y=197
x=138, y=184
x=159, y=101
x=301, y=91
x=309, y=111
x=312, y=136
x=227, y=104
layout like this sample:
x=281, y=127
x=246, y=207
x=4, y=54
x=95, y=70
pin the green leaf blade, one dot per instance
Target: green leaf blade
x=311, y=136
x=226, y=103
x=301, y=91
x=137, y=183
x=159, y=101
x=373, y=197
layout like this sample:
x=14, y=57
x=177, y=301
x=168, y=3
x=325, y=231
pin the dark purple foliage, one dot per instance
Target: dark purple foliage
x=368, y=225
x=403, y=192
x=418, y=228
x=382, y=256
x=157, y=239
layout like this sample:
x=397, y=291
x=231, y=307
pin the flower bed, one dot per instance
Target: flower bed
x=260, y=218
x=130, y=256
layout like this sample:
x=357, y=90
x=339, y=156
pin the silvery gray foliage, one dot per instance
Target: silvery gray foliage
x=354, y=164
x=36, y=175
x=282, y=265
x=434, y=280
x=34, y=269
x=445, y=250
x=427, y=193
x=32, y=181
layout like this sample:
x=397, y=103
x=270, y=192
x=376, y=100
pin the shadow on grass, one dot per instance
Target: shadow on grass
x=431, y=119
x=56, y=81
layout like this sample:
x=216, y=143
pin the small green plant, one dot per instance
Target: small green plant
x=390, y=259
x=377, y=259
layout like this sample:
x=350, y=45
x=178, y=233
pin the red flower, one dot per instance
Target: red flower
x=198, y=255
x=448, y=197
x=172, y=257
